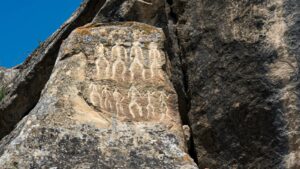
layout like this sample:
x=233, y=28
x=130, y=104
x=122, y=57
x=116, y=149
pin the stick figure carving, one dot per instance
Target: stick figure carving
x=119, y=54
x=156, y=60
x=102, y=64
x=106, y=95
x=150, y=107
x=94, y=95
x=118, y=97
x=136, y=53
x=163, y=104
x=133, y=93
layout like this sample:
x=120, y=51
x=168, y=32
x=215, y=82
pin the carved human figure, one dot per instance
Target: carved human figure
x=119, y=54
x=137, y=65
x=102, y=64
x=156, y=60
x=95, y=97
x=118, y=98
x=134, y=94
x=163, y=104
x=150, y=107
x=106, y=94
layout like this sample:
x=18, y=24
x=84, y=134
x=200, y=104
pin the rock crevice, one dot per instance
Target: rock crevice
x=231, y=65
x=113, y=89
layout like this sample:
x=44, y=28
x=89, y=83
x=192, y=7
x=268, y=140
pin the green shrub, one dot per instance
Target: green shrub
x=2, y=93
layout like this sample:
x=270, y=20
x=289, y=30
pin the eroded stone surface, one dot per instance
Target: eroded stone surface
x=7, y=76
x=241, y=64
x=23, y=92
x=108, y=104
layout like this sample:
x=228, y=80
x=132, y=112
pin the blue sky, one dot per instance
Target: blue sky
x=25, y=23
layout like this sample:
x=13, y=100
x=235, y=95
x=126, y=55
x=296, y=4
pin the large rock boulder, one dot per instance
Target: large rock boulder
x=234, y=65
x=24, y=92
x=108, y=104
x=27, y=83
x=241, y=64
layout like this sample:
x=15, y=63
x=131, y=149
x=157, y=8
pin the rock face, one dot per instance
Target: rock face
x=229, y=67
x=108, y=104
x=24, y=92
x=7, y=76
x=241, y=64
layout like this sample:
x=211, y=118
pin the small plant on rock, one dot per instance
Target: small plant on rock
x=2, y=93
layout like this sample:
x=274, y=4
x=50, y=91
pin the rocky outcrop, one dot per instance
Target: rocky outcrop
x=36, y=70
x=33, y=74
x=241, y=65
x=7, y=76
x=108, y=104
x=233, y=64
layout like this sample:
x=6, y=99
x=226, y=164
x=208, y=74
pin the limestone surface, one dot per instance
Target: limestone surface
x=109, y=103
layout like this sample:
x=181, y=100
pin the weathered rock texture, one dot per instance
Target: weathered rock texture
x=241, y=60
x=234, y=65
x=36, y=70
x=7, y=76
x=33, y=74
x=108, y=104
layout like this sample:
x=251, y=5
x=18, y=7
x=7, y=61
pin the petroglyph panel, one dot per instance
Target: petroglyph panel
x=125, y=76
x=109, y=93
x=136, y=62
x=132, y=103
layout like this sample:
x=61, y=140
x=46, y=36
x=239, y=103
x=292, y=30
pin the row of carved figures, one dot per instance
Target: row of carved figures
x=119, y=62
x=112, y=100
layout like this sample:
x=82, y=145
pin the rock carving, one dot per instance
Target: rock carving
x=163, y=104
x=106, y=94
x=137, y=65
x=117, y=52
x=156, y=60
x=150, y=108
x=134, y=94
x=93, y=104
x=95, y=97
x=102, y=64
x=118, y=98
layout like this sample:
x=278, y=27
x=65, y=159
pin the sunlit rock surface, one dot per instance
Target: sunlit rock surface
x=234, y=65
x=23, y=92
x=7, y=75
x=108, y=104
